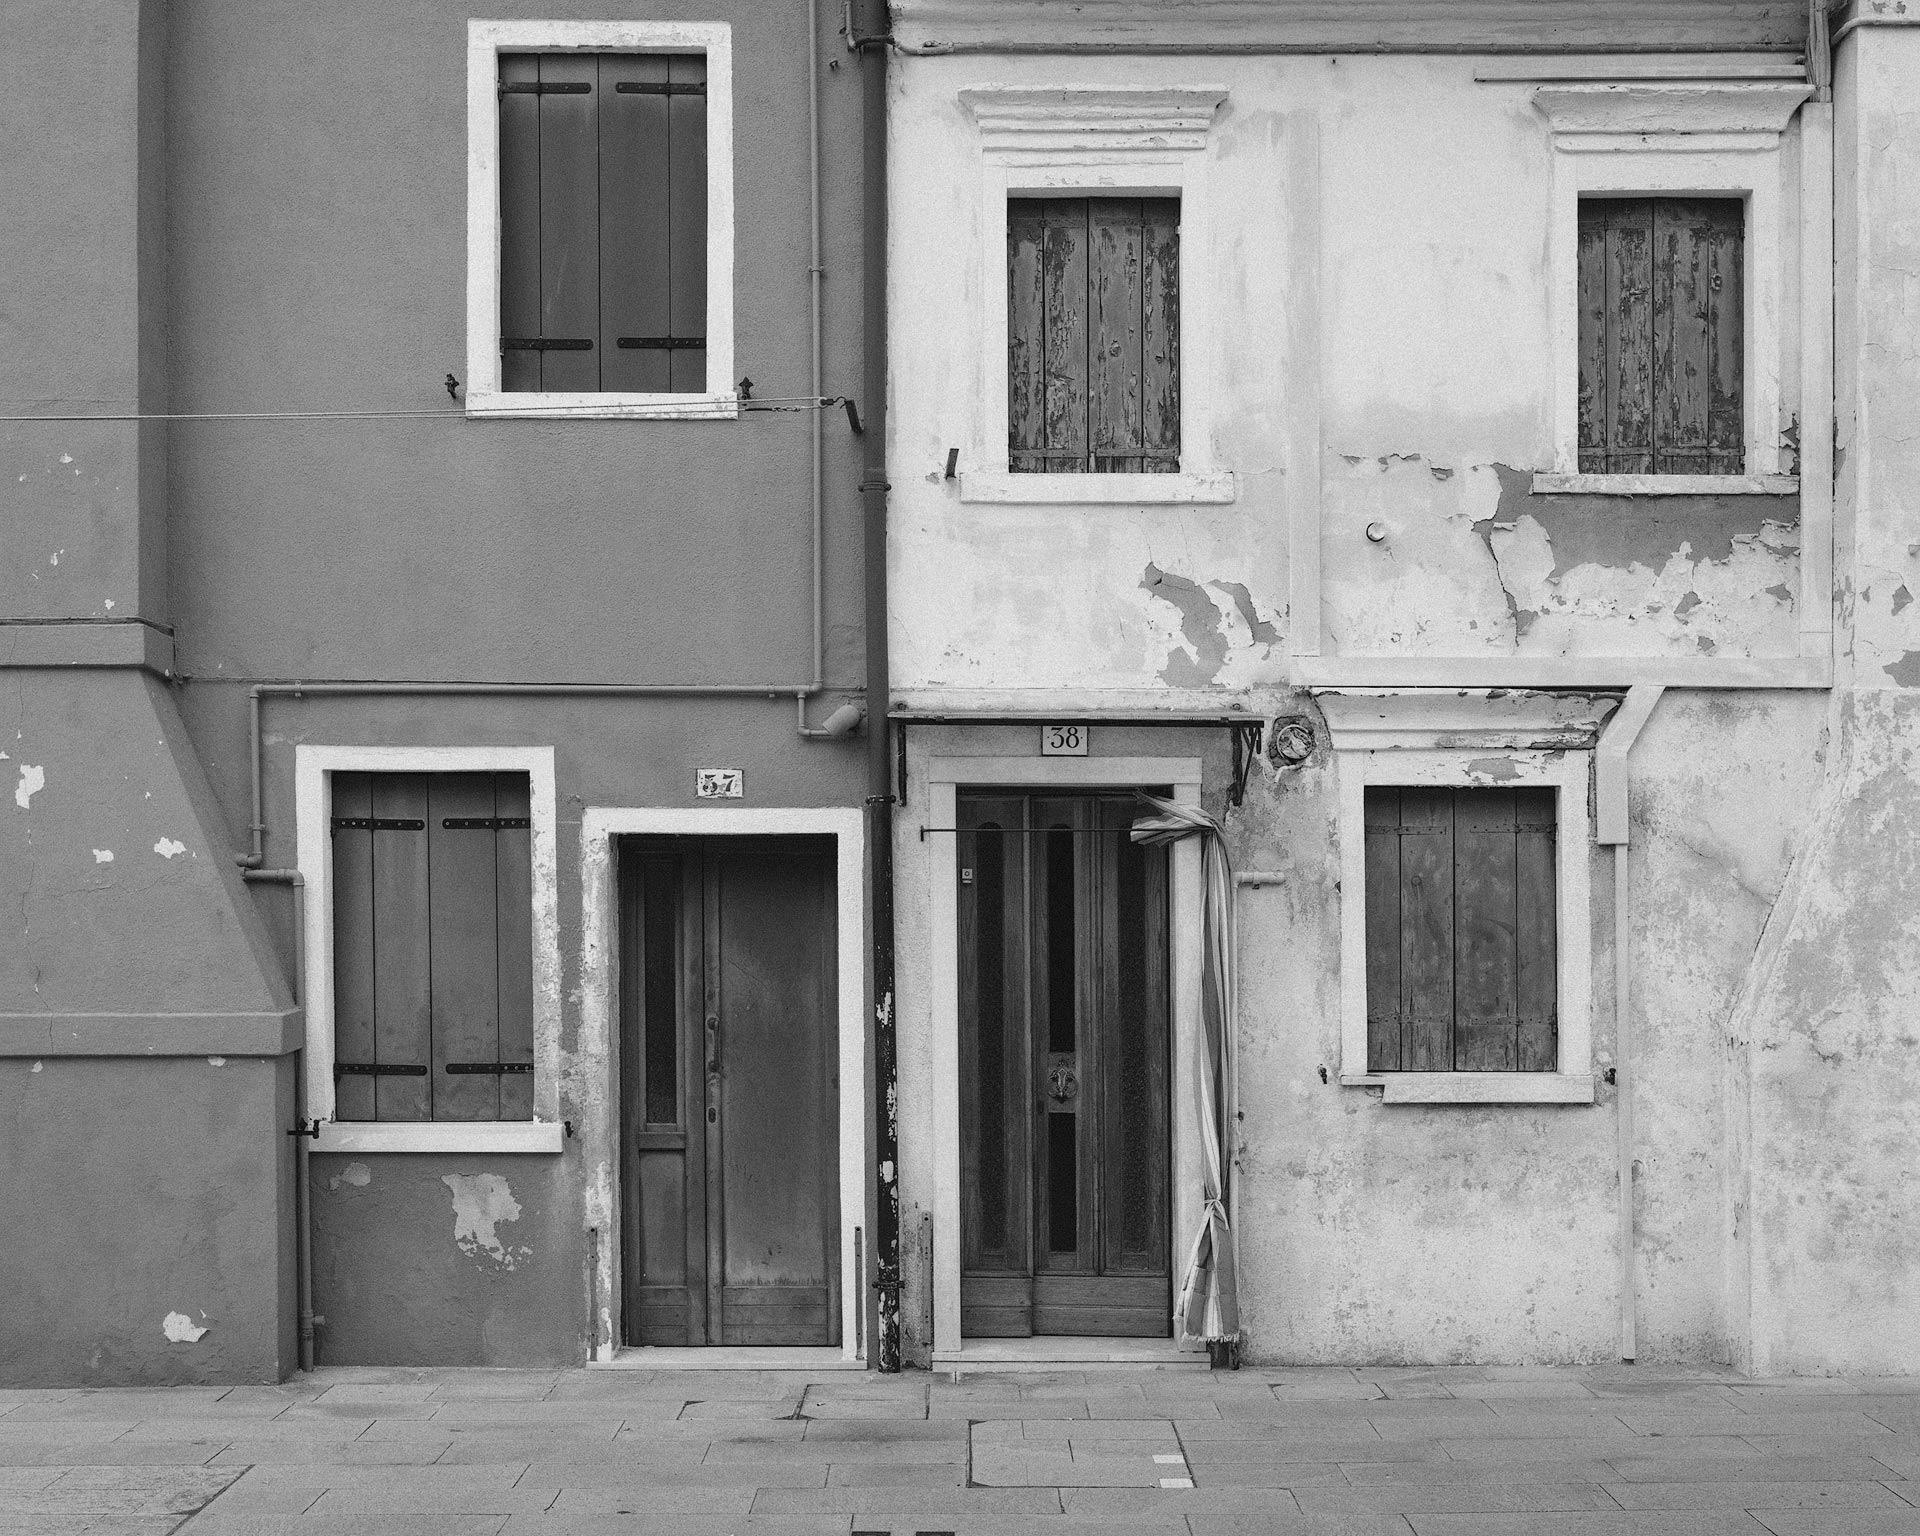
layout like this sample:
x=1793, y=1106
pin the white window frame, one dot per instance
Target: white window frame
x=598, y=1058
x=486, y=41
x=1099, y=142
x=1460, y=740
x=314, y=767
x=1673, y=139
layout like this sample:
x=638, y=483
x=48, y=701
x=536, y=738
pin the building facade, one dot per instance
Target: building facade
x=428, y=669
x=1455, y=448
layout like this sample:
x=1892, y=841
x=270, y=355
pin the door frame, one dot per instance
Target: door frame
x=598, y=1061
x=945, y=776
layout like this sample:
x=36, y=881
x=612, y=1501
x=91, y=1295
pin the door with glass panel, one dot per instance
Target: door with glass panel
x=1063, y=1068
x=729, y=1075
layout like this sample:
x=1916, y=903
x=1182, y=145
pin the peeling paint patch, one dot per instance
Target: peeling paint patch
x=33, y=779
x=1686, y=605
x=216, y=1061
x=359, y=1175
x=1262, y=632
x=1781, y=592
x=1199, y=626
x=1493, y=768
x=38, y=1066
x=1901, y=597
x=1905, y=671
x=167, y=848
x=181, y=1329
x=481, y=1203
x=103, y=855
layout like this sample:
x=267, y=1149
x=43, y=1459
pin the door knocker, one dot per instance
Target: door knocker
x=1062, y=1085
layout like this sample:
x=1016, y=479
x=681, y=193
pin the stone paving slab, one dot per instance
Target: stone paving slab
x=1313, y=1451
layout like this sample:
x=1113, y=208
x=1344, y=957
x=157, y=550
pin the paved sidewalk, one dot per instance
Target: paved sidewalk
x=1130, y=1451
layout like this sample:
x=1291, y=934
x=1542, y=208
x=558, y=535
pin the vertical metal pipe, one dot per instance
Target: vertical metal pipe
x=1623, y=1090
x=302, y=1220
x=872, y=42
x=815, y=276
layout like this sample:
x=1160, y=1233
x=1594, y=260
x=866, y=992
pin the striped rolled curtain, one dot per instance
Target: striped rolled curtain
x=1209, y=1306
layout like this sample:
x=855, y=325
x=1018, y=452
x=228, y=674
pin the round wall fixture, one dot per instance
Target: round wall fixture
x=1376, y=533
x=1290, y=742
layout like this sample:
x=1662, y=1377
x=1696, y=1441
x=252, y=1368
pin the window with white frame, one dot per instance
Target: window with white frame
x=1096, y=363
x=1464, y=912
x=600, y=219
x=432, y=947
x=1670, y=277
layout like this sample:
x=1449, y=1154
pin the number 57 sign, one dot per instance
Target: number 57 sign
x=1063, y=740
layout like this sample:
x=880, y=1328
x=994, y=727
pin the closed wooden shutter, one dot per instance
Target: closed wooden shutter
x=1093, y=335
x=1662, y=336
x=1461, y=936
x=603, y=222
x=432, y=946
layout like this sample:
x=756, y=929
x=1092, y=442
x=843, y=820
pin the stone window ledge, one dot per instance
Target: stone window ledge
x=1476, y=1087
x=1665, y=485
x=441, y=1136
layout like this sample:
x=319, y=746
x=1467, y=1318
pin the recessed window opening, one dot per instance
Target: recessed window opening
x=432, y=946
x=1662, y=335
x=1093, y=335
x=603, y=222
x=1461, y=930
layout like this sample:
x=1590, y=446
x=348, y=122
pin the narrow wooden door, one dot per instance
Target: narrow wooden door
x=1064, y=1069
x=730, y=1090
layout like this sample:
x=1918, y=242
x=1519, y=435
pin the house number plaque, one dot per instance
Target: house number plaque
x=1063, y=740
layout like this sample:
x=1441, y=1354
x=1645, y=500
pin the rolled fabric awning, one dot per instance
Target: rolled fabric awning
x=1209, y=1307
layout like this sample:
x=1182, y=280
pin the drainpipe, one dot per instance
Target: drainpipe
x=1610, y=803
x=302, y=1220
x=867, y=34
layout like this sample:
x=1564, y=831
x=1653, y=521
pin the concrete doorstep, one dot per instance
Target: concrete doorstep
x=1135, y=1451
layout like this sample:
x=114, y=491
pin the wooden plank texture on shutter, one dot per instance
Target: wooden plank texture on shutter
x=466, y=1023
x=634, y=220
x=1697, y=320
x=1536, y=902
x=519, y=220
x=687, y=221
x=1063, y=281
x=1114, y=332
x=1426, y=929
x=569, y=220
x=1486, y=961
x=513, y=917
x=1160, y=334
x=354, y=1040
x=402, y=975
x=1383, y=929
x=1026, y=334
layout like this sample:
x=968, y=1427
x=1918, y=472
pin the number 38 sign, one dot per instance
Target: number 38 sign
x=1063, y=741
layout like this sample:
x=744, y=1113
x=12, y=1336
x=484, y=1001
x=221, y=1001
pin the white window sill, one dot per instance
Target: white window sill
x=1665, y=485
x=440, y=1136
x=1003, y=487
x=546, y=406
x=1476, y=1087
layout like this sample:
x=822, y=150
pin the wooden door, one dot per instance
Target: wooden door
x=1064, y=1069
x=730, y=1089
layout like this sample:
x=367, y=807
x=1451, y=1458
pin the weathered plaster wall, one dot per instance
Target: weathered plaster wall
x=148, y=1212
x=1425, y=279
x=319, y=263
x=424, y=1260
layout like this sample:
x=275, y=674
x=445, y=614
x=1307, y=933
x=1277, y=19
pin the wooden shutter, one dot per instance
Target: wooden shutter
x=603, y=222
x=1662, y=336
x=1093, y=335
x=1461, y=933
x=432, y=913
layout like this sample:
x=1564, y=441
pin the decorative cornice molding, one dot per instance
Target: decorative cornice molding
x=1347, y=26
x=1721, y=114
x=1115, y=118
x=1384, y=719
